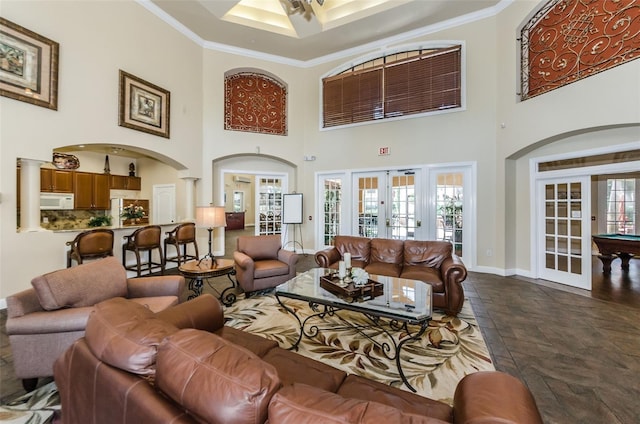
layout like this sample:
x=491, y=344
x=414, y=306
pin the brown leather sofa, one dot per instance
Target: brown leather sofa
x=182, y=365
x=430, y=261
x=44, y=320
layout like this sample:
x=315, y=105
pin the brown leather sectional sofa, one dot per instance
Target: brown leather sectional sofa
x=182, y=365
x=430, y=261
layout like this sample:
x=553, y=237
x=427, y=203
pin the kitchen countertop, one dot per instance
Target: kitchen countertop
x=128, y=227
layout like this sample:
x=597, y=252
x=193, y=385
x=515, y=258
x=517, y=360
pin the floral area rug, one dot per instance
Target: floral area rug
x=451, y=347
x=37, y=407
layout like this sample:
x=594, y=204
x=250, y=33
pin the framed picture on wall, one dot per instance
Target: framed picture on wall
x=143, y=106
x=28, y=66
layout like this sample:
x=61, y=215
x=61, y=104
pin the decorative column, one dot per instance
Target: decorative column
x=30, y=195
x=190, y=191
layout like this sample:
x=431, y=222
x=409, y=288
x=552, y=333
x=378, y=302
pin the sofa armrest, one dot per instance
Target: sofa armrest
x=23, y=303
x=245, y=267
x=325, y=258
x=203, y=313
x=453, y=273
x=165, y=285
x=288, y=257
x=494, y=396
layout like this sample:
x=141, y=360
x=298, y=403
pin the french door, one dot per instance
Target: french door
x=564, y=235
x=269, y=204
x=385, y=204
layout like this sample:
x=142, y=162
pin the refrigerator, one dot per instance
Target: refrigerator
x=116, y=210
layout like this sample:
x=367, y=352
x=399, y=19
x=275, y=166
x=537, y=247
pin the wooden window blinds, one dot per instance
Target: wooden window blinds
x=427, y=81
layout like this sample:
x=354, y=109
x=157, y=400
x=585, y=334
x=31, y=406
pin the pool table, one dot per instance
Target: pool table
x=623, y=246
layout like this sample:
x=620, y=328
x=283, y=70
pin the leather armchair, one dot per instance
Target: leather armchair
x=261, y=263
x=43, y=321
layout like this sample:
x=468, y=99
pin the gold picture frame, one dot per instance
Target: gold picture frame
x=28, y=66
x=143, y=106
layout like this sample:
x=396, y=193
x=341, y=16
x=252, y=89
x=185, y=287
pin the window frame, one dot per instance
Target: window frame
x=442, y=44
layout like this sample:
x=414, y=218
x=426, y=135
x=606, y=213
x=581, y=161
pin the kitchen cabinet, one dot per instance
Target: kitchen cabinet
x=56, y=181
x=91, y=190
x=125, y=182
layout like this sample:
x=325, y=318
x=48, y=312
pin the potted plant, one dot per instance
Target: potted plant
x=133, y=213
x=100, y=221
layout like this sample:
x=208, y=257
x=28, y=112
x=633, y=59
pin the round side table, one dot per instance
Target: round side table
x=197, y=271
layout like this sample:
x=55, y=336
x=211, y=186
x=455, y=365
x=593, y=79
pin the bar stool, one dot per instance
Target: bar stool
x=145, y=239
x=182, y=235
x=92, y=244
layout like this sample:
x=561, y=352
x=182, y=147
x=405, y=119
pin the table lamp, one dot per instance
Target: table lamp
x=210, y=217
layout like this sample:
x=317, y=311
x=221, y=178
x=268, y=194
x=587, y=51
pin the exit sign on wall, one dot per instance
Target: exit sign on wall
x=382, y=151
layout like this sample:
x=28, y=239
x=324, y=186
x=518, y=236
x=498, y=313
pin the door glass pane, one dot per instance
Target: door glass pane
x=403, y=208
x=368, y=202
x=621, y=206
x=449, y=205
x=563, y=228
x=332, y=195
x=270, y=206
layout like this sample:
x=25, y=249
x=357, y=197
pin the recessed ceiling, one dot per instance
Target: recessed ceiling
x=312, y=31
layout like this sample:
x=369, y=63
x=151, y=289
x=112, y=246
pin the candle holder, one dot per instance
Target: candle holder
x=347, y=278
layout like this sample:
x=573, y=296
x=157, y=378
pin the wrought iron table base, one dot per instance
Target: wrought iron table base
x=196, y=284
x=391, y=350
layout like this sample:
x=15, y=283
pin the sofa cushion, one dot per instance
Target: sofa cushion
x=386, y=257
x=426, y=253
x=295, y=368
x=214, y=379
x=359, y=247
x=270, y=268
x=260, y=248
x=301, y=403
x=252, y=342
x=126, y=335
x=425, y=274
x=368, y=390
x=82, y=285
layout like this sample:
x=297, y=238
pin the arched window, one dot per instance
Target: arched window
x=568, y=40
x=400, y=84
x=255, y=102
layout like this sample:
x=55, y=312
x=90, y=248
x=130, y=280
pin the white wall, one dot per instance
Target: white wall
x=96, y=40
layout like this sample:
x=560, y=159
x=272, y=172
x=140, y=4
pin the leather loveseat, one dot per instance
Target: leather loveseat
x=430, y=261
x=182, y=365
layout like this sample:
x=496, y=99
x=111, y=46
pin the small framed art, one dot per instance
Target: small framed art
x=28, y=66
x=143, y=106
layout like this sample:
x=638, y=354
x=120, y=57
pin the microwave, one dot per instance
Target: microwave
x=56, y=201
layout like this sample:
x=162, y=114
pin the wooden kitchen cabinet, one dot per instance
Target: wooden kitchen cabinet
x=125, y=182
x=91, y=190
x=56, y=181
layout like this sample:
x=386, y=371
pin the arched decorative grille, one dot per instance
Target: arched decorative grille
x=567, y=40
x=255, y=102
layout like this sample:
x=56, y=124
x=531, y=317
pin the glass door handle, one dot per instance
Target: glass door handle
x=418, y=223
x=388, y=222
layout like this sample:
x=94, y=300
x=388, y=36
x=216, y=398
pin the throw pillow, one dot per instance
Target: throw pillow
x=82, y=285
x=126, y=335
x=214, y=379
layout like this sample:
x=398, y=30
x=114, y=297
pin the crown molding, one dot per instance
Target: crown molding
x=359, y=50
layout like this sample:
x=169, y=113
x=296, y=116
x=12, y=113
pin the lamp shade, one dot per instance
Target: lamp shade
x=210, y=216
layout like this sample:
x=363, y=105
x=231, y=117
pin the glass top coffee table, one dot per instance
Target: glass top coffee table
x=398, y=302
